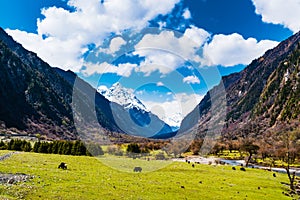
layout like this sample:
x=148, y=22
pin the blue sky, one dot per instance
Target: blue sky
x=170, y=52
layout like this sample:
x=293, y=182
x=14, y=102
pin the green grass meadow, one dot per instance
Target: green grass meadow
x=88, y=178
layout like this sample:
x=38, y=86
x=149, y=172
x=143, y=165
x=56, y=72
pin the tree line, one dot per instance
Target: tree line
x=76, y=148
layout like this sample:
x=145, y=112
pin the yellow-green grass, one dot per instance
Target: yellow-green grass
x=3, y=152
x=234, y=154
x=88, y=178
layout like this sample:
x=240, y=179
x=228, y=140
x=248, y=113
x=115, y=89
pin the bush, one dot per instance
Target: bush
x=160, y=156
x=133, y=148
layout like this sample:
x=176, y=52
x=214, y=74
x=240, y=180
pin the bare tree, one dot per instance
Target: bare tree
x=286, y=149
x=290, y=142
x=251, y=148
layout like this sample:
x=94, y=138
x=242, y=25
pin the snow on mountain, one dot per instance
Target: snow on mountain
x=174, y=121
x=123, y=96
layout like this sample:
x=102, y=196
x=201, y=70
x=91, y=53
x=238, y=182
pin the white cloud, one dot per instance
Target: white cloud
x=124, y=69
x=230, y=50
x=158, y=60
x=159, y=83
x=191, y=80
x=56, y=52
x=165, y=52
x=115, y=45
x=162, y=25
x=285, y=12
x=103, y=88
x=186, y=14
x=197, y=35
x=178, y=108
x=69, y=32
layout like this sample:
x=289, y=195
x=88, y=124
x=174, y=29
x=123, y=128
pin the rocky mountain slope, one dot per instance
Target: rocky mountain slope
x=260, y=98
x=137, y=120
x=123, y=96
x=34, y=98
x=126, y=97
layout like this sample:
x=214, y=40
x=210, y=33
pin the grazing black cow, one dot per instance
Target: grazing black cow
x=182, y=187
x=243, y=169
x=137, y=169
x=62, y=165
x=193, y=165
x=233, y=168
x=188, y=162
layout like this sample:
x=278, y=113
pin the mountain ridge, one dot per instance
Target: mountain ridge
x=35, y=98
x=243, y=92
x=123, y=96
x=138, y=118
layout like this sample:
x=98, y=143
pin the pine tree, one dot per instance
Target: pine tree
x=36, y=147
x=10, y=144
x=54, y=147
x=3, y=146
x=27, y=147
x=75, y=147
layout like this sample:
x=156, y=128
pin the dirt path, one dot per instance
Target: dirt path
x=8, y=155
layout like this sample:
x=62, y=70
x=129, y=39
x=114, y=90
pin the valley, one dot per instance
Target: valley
x=88, y=178
x=241, y=141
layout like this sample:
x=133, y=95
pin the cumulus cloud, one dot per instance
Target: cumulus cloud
x=179, y=107
x=197, y=35
x=166, y=52
x=115, y=45
x=191, y=80
x=159, y=83
x=158, y=60
x=186, y=14
x=285, y=12
x=124, y=69
x=67, y=33
x=65, y=54
x=230, y=50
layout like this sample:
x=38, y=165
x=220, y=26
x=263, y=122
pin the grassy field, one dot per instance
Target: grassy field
x=88, y=178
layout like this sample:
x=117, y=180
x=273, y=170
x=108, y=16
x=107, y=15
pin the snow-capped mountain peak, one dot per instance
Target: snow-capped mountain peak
x=173, y=120
x=121, y=95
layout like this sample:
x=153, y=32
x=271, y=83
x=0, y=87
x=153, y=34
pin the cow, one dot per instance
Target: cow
x=137, y=169
x=62, y=165
x=242, y=169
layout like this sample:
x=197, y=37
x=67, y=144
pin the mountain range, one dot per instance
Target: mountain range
x=262, y=98
x=123, y=96
x=126, y=97
x=36, y=98
x=137, y=120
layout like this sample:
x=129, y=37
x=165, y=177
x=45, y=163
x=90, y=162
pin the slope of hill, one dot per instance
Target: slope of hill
x=34, y=98
x=262, y=96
